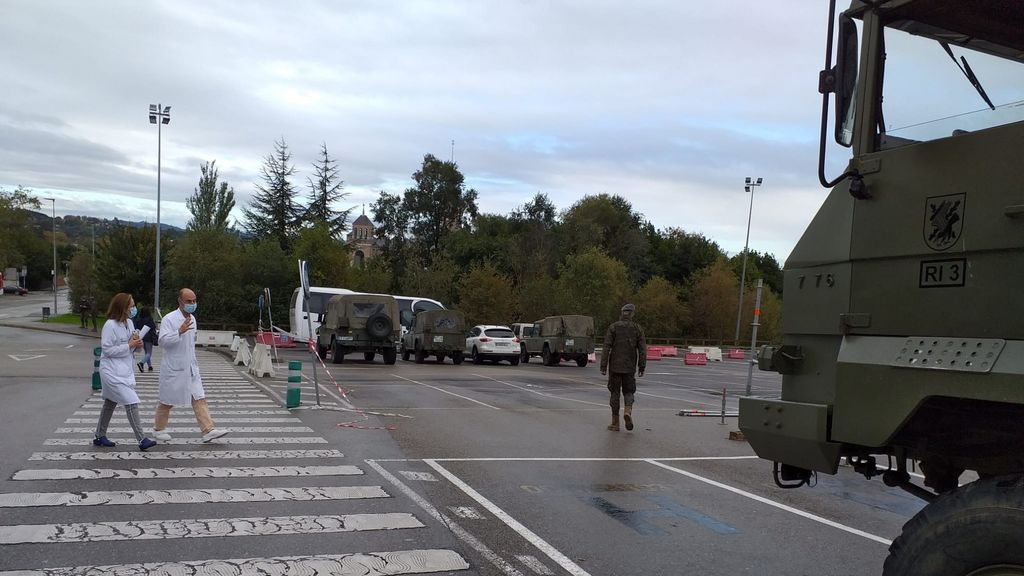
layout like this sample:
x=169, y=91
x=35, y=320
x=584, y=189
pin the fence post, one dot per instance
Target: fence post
x=294, y=383
x=723, y=406
x=96, y=384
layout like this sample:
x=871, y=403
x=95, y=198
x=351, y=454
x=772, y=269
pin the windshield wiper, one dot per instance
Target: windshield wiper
x=966, y=69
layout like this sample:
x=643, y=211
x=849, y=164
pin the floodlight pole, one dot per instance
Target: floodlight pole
x=53, y=201
x=748, y=186
x=159, y=115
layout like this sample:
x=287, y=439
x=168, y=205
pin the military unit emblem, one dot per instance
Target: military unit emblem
x=943, y=220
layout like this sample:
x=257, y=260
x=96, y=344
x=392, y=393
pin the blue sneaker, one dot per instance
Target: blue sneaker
x=103, y=441
x=146, y=444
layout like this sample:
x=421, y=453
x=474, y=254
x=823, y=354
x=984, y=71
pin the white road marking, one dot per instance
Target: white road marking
x=549, y=550
x=639, y=393
x=537, y=566
x=235, y=401
x=539, y=393
x=356, y=564
x=447, y=392
x=764, y=500
x=205, y=496
x=181, y=430
x=195, y=455
x=22, y=357
x=120, y=419
x=196, y=472
x=202, y=528
x=186, y=441
x=456, y=529
x=150, y=413
x=582, y=459
x=420, y=476
x=467, y=512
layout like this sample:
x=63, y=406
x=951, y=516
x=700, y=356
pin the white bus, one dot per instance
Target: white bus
x=318, y=297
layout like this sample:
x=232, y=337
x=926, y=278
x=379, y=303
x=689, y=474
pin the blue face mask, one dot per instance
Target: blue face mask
x=132, y=312
x=190, y=308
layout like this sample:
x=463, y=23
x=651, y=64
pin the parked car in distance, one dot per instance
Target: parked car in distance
x=437, y=333
x=14, y=289
x=558, y=338
x=522, y=329
x=494, y=343
x=366, y=323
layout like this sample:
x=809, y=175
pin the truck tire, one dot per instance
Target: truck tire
x=514, y=360
x=440, y=358
x=321, y=351
x=457, y=358
x=379, y=326
x=368, y=356
x=974, y=529
x=337, y=352
x=390, y=355
x=545, y=356
x=421, y=356
x=524, y=356
x=477, y=358
x=581, y=360
x=405, y=353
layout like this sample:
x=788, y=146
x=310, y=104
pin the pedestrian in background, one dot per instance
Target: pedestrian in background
x=145, y=318
x=117, y=375
x=624, y=355
x=180, y=382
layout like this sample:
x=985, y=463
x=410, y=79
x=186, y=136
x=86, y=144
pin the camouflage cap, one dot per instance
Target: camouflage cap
x=629, y=308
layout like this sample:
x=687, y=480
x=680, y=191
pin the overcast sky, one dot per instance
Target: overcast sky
x=667, y=103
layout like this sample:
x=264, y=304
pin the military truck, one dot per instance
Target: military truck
x=903, y=322
x=438, y=333
x=558, y=338
x=366, y=323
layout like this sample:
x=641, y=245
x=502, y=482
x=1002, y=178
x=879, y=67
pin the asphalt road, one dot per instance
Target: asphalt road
x=417, y=468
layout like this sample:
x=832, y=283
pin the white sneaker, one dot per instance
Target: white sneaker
x=213, y=434
x=161, y=435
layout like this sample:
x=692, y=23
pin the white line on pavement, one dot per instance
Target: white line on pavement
x=196, y=472
x=204, y=496
x=446, y=392
x=539, y=393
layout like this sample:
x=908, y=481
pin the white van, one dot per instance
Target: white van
x=318, y=297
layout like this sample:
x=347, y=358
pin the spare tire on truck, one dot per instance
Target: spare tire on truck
x=379, y=325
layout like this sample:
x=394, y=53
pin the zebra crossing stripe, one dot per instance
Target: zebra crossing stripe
x=356, y=564
x=150, y=413
x=197, y=472
x=207, y=496
x=122, y=420
x=197, y=455
x=188, y=441
x=181, y=430
x=153, y=403
x=203, y=528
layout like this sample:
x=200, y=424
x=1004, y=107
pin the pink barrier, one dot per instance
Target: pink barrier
x=695, y=359
x=737, y=354
x=279, y=340
x=653, y=353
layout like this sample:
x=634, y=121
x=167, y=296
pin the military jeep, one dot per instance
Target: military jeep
x=437, y=333
x=366, y=323
x=558, y=338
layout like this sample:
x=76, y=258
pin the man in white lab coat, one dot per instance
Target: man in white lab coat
x=180, y=382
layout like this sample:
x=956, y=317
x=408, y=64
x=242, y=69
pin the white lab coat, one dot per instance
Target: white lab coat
x=117, y=363
x=179, y=370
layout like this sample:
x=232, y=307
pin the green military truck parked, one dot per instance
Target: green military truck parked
x=558, y=338
x=903, y=320
x=366, y=323
x=438, y=333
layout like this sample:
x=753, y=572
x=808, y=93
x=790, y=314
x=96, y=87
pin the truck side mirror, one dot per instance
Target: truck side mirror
x=845, y=74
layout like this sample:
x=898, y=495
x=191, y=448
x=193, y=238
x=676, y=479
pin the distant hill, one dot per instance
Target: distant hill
x=79, y=229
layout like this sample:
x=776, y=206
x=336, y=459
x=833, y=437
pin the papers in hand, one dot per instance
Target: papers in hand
x=143, y=332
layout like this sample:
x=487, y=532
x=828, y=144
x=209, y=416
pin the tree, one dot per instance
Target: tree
x=209, y=261
x=439, y=204
x=212, y=202
x=609, y=223
x=272, y=212
x=536, y=299
x=486, y=296
x=375, y=277
x=14, y=221
x=126, y=262
x=678, y=254
x=759, y=265
x=392, y=228
x=595, y=284
x=324, y=191
x=659, y=309
x=328, y=258
x=713, y=301
x=533, y=243
x=438, y=280
x=81, y=277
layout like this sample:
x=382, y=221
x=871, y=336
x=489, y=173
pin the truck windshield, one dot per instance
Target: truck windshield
x=926, y=96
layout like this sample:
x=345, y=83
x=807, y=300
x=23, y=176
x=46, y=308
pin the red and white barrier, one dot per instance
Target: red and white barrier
x=737, y=354
x=666, y=351
x=275, y=338
x=653, y=353
x=695, y=359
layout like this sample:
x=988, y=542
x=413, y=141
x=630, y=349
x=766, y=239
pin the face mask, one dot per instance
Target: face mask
x=132, y=312
x=190, y=308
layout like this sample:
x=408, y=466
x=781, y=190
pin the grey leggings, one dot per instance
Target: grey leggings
x=133, y=418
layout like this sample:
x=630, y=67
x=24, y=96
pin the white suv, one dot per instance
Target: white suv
x=494, y=343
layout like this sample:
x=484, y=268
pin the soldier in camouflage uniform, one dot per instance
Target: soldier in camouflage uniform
x=625, y=353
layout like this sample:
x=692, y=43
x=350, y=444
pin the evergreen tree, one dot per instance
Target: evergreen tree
x=324, y=192
x=272, y=212
x=211, y=204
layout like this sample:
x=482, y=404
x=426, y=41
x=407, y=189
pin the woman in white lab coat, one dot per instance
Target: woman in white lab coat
x=119, y=340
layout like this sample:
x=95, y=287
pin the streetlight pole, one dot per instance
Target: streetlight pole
x=159, y=115
x=53, y=201
x=748, y=186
